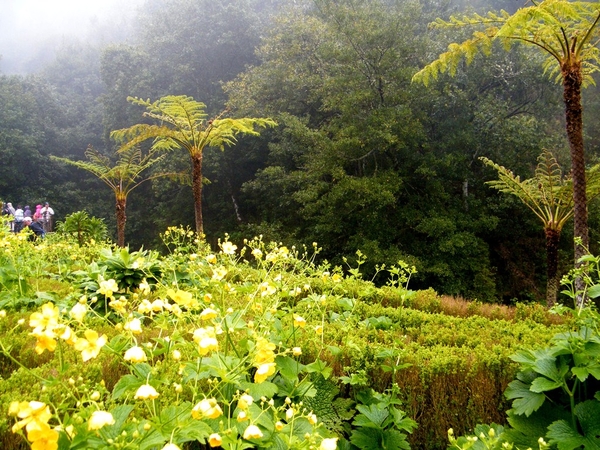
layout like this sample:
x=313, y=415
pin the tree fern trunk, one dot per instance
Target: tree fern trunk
x=552, y=240
x=121, y=219
x=197, y=189
x=572, y=79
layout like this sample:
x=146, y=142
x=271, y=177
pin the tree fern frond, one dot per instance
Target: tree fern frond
x=448, y=61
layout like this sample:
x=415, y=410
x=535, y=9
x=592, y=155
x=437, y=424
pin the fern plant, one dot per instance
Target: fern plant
x=549, y=194
x=568, y=33
x=82, y=227
x=122, y=177
x=184, y=124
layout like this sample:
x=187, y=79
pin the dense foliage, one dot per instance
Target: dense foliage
x=249, y=347
x=361, y=159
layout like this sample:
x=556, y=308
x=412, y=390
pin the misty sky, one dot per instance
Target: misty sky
x=31, y=29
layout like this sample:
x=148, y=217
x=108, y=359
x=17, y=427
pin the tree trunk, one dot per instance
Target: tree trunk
x=197, y=189
x=572, y=79
x=552, y=240
x=121, y=219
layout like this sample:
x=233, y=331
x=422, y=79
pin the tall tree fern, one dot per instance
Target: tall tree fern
x=122, y=177
x=182, y=123
x=568, y=33
x=549, y=194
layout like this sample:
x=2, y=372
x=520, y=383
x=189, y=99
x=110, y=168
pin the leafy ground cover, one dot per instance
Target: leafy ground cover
x=251, y=345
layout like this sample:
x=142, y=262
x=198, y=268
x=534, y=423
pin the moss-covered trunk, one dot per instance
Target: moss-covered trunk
x=121, y=204
x=197, y=189
x=572, y=80
x=552, y=240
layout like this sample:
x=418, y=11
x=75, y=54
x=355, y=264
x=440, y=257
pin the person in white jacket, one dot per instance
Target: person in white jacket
x=47, y=215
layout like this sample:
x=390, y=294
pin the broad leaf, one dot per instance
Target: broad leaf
x=562, y=434
x=526, y=402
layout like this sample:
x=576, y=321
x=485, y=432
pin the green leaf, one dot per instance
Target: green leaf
x=127, y=383
x=319, y=367
x=547, y=367
x=367, y=439
x=594, y=291
x=526, y=402
x=372, y=416
x=289, y=367
x=542, y=384
x=258, y=390
x=565, y=437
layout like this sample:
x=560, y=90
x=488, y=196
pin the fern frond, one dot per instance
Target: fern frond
x=548, y=194
x=448, y=62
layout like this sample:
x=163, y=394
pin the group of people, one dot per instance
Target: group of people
x=38, y=221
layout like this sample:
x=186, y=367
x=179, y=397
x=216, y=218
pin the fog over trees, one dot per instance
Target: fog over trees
x=361, y=159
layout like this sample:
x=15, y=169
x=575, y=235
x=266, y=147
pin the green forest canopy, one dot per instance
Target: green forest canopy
x=362, y=159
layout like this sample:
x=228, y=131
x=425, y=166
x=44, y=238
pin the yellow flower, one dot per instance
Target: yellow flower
x=219, y=273
x=312, y=419
x=328, y=444
x=211, y=259
x=264, y=352
x=279, y=425
x=119, y=305
x=78, y=312
x=47, y=319
x=319, y=329
x=135, y=355
x=100, y=419
x=170, y=446
x=67, y=335
x=144, y=287
x=257, y=253
x=299, y=321
x=108, y=287
x=263, y=372
x=242, y=416
x=208, y=408
x=206, y=339
x=91, y=345
x=146, y=392
x=144, y=307
x=158, y=305
x=245, y=401
x=182, y=298
x=208, y=314
x=296, y=351
x=134, y=325
x=34, y=415
x=44, y=438
x=45, y=341
x=176, y=355
x=215, y=440
x=252, y=432
x=266, y=289
x=228, y=248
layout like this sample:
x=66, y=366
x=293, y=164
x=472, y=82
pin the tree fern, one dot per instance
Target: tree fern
x=183, y=124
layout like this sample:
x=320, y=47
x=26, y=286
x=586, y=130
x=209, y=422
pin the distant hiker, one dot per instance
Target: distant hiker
x=18, y=219
x=11, y=211
x=27, y=212
x=47, y=214
x=38, y=231
x=37, y=215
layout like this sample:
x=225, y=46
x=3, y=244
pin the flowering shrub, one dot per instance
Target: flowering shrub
x=247, y=345
x=212, y=352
